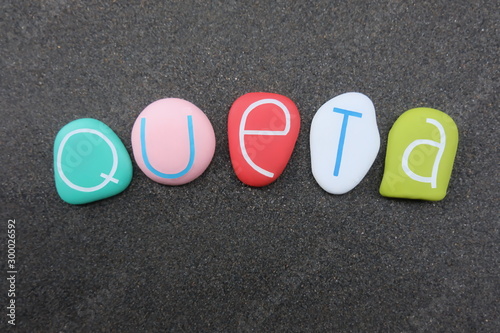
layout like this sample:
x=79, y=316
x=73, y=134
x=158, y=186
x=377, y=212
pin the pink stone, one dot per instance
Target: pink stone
x=173, y=141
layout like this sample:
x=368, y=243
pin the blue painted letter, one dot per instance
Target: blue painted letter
x=191, y=151
x=343, y=130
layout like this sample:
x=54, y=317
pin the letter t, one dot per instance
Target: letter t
x=343, y=130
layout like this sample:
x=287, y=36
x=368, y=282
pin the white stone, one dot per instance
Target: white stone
x=344, y=142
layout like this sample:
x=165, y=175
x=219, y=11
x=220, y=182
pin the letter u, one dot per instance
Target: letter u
x=191, y=151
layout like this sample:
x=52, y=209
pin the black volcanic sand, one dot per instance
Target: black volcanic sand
x=218, y=256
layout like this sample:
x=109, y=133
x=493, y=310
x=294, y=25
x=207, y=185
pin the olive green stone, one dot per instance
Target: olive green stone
x=421, y=150
x=90, y=162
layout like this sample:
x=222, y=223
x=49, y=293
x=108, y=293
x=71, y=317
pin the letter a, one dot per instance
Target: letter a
x=440, y=145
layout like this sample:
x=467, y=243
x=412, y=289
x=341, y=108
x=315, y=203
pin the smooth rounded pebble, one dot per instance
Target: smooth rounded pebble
x=262, y=132
x=344, y=142
x=173, y=141
x=90, y=162
x=421, y=150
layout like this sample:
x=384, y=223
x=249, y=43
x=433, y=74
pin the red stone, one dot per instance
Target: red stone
x=262, y=131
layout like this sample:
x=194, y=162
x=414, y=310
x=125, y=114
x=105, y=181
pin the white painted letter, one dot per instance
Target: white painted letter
x=440, y=145
x=244, y=132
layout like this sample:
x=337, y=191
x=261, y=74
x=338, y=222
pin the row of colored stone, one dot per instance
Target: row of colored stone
x=173, y=143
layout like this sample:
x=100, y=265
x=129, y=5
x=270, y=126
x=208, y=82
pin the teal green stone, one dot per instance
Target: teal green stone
x=90, y=162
